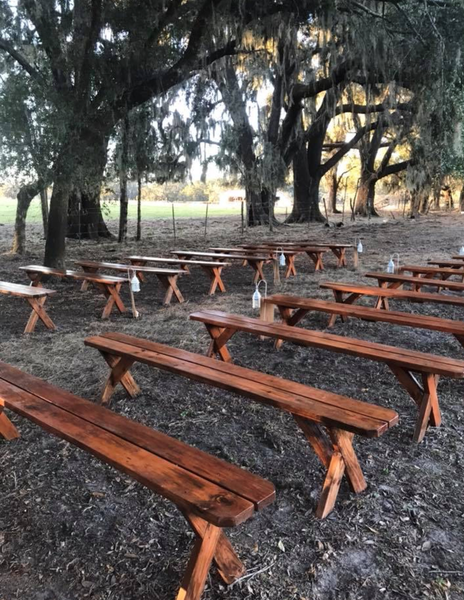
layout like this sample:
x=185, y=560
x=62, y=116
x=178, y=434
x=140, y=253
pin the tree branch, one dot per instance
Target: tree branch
x=21, y=60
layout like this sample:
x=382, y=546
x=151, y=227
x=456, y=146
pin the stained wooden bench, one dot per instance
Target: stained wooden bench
x=167, y=277
x=348, y=293
x=272, y=255
x=211, y=493
x=212, y=268
x=395, y=281
x=338, y=249
x=314, y=410
x=404, y=363
x=36, y=299
x=451, y=264
x=256, y=262
x=293, y=309
x=108, y=285
x=315, y=253
x=423, y=271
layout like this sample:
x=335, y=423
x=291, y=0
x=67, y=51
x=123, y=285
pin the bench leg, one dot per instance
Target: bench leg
x=140, y=274
x=119, y=374
x=229, y=565
x=289, y=318
x=219, y=338
x=214, y=273
x=338, y=457
x=257, y=266
x=460, y=339
x=425, y=396
x=316, y=257
x=85, y=284
x=291, y=269
x=38, y=312
x=7, y=430
x=340, y=253
x=199, y=564
x=169, y=282
x=111, y=292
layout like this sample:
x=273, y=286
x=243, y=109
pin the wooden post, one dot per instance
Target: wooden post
x=206, y=219
x=325, y=210
x=242, y=216
x=173, y=221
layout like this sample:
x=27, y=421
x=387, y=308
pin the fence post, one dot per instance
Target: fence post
x=173, y=221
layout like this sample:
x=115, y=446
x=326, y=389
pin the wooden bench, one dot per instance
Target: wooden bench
x=108, y=285
x=293, y=309
x=394, y=281
x=315, y=253
x=36, y=298
x=211, y=493
x=167, y=277
x=212, y=268
x=272, y=255
x=312, y=409
x=339, y=250
x=422, y=271
x=451, y=264
x=404, y=363
x=348, y=293
x=255, y=262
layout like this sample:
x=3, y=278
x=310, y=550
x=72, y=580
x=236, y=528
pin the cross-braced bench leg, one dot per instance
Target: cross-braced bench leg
x=169, y=282
x=257, y=266
x=338, y=457
x=214, y=273
x=119, y=374
x=425, y=396
x=219, y=338
x=140, y=274
x=38, y=312
x=229, y=566
x=7, y=430
x=111, y=292
x=340, y=253
x=86, y=284
x=316, y=257
x=291, y=318
x=291, y=269
x=194, y=580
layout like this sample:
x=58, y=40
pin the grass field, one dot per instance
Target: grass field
x=150, y=210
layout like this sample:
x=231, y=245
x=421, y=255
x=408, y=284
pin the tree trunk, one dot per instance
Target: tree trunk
x=44, y=206
x=138, y=235
x=461, y=199
x=260, y=202
x=24, y=197
x=123, y=165
x=55, y=245
x=333, y=190
x=423, y=202
x=365, y=198
x=305, y=192
x=85, y=219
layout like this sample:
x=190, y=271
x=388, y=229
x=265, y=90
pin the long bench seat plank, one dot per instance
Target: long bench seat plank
x=402, y=362
x=340, y=416
x=107, y=284
x=395, y=281
x=254, y=261
x=354, y=291
x=444, y=273
x=212, y=268
x=236, y=480
x=206, y=506
x=167, y=277
x=301, y=306
x=185, y=489
x=305, y=401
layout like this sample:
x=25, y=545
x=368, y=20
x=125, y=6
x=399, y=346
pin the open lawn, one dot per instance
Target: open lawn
x=150, y=210
x=74, y=529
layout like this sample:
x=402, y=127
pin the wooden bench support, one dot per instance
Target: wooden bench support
x=111, y=293
x=38, y=312
x=316, y=257
x=7, y=430
x=338, y=457
x=169, y=282
x=340, y=253
x=214, y=273
x=119, y=374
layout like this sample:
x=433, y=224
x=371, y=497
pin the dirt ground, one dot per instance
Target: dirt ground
x=72, y=528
